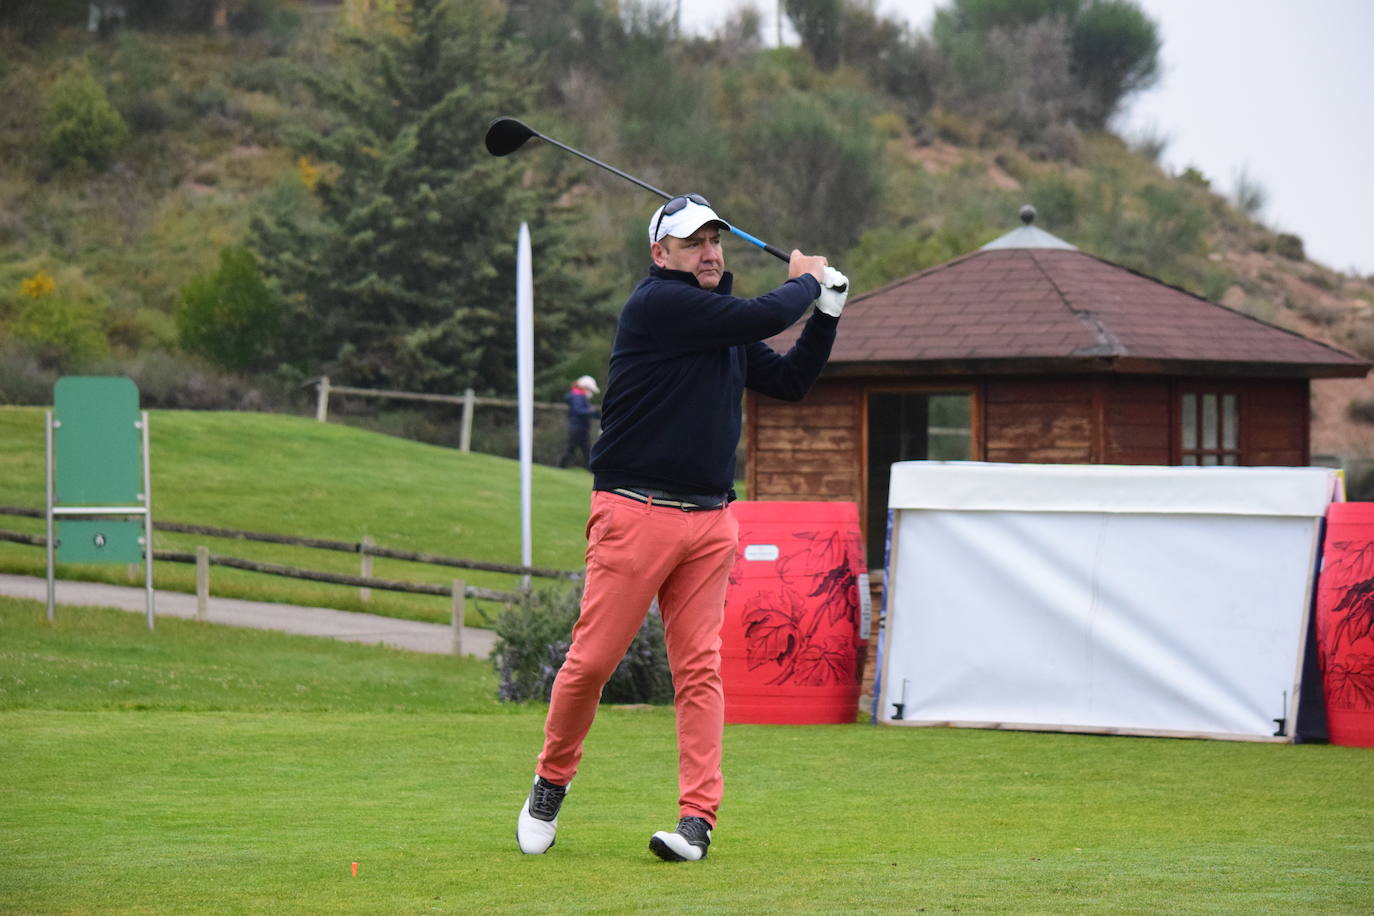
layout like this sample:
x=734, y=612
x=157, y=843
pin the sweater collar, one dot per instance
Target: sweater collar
x=726, y=284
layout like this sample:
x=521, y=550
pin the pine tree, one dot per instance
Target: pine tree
x=403, y=274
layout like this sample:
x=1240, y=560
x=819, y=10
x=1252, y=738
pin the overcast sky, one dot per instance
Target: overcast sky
x=1282, y=90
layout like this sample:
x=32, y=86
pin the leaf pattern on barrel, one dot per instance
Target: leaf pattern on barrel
x=1355, y=613
x=1352, y=682
x=795, y=632
x=771, y=636
x=1349, y=675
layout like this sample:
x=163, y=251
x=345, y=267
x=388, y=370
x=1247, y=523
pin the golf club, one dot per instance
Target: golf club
x=506, y=135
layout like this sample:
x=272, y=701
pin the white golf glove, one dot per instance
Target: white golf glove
x=834, y=292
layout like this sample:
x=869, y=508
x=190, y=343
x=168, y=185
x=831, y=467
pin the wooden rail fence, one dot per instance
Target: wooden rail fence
x=365, y=547
x=468, y=399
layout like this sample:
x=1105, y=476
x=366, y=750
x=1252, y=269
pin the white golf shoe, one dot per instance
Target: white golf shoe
x=687, y=843
x=538, y=822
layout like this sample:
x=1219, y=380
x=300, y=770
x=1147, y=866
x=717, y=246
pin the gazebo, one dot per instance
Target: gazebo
x=1029, y=350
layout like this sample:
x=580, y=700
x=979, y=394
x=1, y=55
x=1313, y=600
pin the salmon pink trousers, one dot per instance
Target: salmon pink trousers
x=634, y=552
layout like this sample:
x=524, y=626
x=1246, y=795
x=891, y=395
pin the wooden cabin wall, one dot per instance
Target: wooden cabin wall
x=1045, y=420
x=1137, y=421
x=814, y=450
x=1275, y=422
x=807, y=450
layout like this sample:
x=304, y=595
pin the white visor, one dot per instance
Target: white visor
x=684, y=222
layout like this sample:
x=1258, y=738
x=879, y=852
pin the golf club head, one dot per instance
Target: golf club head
x=506, y=135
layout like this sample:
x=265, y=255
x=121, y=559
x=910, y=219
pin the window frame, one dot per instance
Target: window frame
x=975, y=391
x=1191, y=408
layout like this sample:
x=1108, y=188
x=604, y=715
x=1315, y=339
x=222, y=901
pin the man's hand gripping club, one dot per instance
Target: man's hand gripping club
x=834, y=285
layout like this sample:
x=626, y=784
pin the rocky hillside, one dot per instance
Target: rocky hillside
x=211, y=118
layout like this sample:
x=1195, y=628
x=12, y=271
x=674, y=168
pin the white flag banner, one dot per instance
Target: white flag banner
x=524, y=348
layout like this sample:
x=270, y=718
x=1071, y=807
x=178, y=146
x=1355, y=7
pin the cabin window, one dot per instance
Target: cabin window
x=1209, y=428
x=907, y=426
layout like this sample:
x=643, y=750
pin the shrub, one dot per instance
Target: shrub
x=33, y=21
x=1248, y=194
x=84, y=129
x=1115, y=54
x=826, y=143
x=269, y=16
x=24, y=379
x=1056, y=203
x=1290, y=247
x=59, y=320
x=230, y=316
x=1361, y=340
x=1322, y=279
x=1321, y=312
x=1192, y=175
x=169, y=381
x=532, y=640
x=140, y=75
x=1149, y=141
x=1361, y=412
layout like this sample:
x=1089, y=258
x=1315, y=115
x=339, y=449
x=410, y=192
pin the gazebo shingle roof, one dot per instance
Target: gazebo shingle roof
x=1041, y=309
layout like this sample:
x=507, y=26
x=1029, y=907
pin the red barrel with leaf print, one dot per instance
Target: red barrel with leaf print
x=1345, y=623
x=793, y=614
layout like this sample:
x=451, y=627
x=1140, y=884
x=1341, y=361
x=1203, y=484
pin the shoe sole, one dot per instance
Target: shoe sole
x=660, y=848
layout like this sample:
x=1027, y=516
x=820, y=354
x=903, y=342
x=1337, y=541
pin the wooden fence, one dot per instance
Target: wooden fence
x=467, y=399
x=365, y=548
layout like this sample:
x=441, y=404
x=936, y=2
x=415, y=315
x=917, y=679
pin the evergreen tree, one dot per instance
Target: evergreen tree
x=403, y=274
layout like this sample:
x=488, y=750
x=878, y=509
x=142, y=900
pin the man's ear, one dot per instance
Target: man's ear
x=659, y=253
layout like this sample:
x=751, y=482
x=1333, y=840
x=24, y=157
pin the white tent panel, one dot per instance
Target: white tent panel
x=1142, y=622
x=1111, y=488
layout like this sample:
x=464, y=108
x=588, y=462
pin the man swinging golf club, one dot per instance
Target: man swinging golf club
x=685, y=349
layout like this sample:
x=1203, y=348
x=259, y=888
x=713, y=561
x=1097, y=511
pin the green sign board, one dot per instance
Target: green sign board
x=98, y=442
x=99, y=540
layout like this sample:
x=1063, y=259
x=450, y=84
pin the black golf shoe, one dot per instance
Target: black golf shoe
x=687, y=843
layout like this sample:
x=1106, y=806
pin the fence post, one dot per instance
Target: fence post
x=202, y=582
x=465, y=438
x=365, y=593
x=459, y=611
x=322, y=399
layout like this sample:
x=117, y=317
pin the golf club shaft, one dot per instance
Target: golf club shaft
x=610, y=168
x=752, y=240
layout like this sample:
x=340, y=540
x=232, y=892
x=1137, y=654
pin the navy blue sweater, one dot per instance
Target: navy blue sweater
x=682, y=358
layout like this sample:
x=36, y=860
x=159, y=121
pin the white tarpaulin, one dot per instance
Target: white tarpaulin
x=1134, y=600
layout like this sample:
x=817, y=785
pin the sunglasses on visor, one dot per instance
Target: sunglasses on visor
x=675, y=205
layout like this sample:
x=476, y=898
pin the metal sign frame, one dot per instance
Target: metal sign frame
x=143, y=508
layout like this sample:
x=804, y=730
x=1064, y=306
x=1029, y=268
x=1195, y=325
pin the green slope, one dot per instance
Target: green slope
x=290, y=475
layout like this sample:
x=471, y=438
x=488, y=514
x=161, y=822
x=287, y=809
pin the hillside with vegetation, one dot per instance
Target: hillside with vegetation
x=224, y=199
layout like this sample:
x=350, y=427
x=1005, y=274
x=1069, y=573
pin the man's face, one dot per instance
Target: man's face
x=699, y=254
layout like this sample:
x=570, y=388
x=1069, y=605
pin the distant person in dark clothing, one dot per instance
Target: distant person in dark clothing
x=581, y=413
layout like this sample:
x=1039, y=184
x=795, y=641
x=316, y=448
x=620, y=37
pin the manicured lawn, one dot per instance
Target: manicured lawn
x=200, y=768
x=290, y=475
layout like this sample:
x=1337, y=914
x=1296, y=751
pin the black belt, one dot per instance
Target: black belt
x=687, y=502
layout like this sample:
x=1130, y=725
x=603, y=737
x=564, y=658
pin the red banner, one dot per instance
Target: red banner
x=1345, y=623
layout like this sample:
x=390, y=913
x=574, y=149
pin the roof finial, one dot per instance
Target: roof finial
x=1027, y=214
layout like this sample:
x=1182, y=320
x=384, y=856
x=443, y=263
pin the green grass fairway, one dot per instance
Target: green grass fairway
x=290, y=475
x=207, y=769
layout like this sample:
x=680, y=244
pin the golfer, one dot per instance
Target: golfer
x=581, y=413
x=685, y=349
